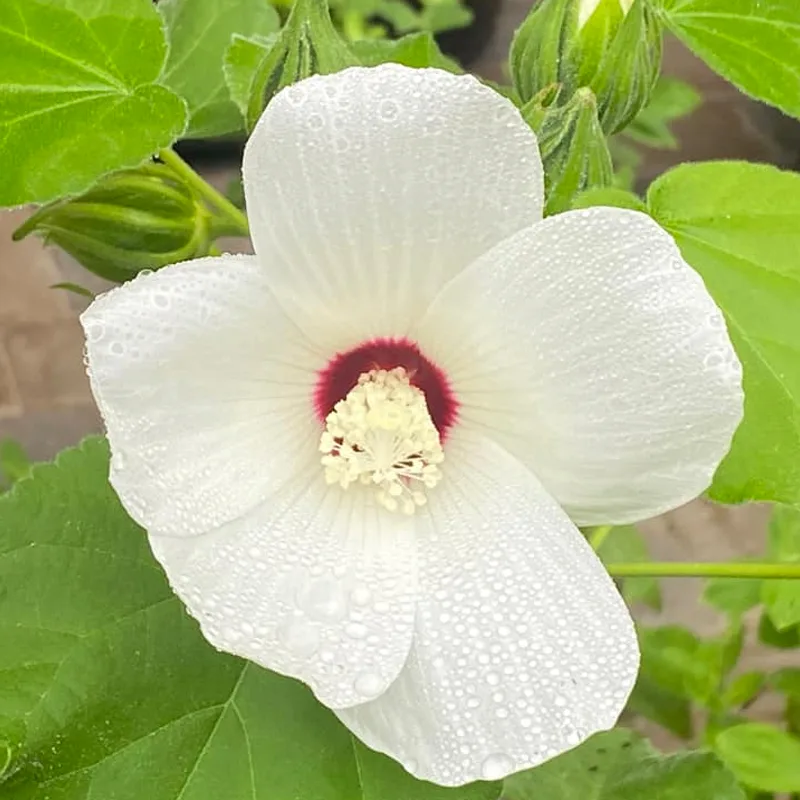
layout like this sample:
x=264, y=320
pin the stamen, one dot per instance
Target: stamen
x=381, y=434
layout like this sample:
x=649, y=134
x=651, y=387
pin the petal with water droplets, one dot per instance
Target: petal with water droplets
x=370, y=188
x=589, y=349
x=318, y=583
x=205, y=387
x=523, y=647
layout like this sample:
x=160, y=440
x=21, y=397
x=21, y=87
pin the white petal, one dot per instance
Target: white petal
x=318, y=583
x=369, y=188
x=523, y=647
x=206, y=391
x=590, y=350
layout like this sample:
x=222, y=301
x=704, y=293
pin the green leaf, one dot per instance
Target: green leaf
x=118, y=693
x=752, y=43
x=743, y=689
x=787, y=681
x=445, y=15
x=662, y=706
x=761, y=756
x=679, y=662
x=199, y=33
x=669, y=660
x=782, y=597
x=788, y=639
x=609, y=196
x=732, y=596
x=671, y=99
x=12, y=735
x=620, y=765
x=624, y=543
x=242, y=59
x=431, y=16
x=381, y=778
x=77, y=94
x=14, y=463
x=414, y=50
x=737, y=225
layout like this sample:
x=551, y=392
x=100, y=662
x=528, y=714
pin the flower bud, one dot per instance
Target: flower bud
x=132, y=220
x=574, y=150
x=587, y=8
x=308, y=44
x=612, y=47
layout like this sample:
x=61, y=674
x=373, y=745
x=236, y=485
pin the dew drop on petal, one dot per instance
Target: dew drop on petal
x=713, y=361
x=323, y=600
x=496, y=766
x=356, y=630
x=368, y=684
x=300, y=637
x=361, y=595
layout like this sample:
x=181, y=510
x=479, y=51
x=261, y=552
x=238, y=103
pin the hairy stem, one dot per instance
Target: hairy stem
x=234, y=219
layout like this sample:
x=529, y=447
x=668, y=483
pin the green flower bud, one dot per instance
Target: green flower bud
x=573, y=147
x=612, y=47
x=130, y=221
x=308, y=44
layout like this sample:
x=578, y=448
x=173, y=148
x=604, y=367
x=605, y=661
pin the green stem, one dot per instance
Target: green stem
x=227, y=211
x=599, y=535
x=701, y=570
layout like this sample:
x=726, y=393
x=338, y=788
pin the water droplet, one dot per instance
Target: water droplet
x=388, y=110
x=323, y=600
x=361, y=595
x=356, y=630
x=369, y=684
x=496, y=766
x=300, y=637
x=95, y=331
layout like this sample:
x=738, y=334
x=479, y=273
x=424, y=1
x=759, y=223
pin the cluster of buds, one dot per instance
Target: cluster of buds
x=609, y=47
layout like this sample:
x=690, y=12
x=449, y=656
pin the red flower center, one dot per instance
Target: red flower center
x=341, y=374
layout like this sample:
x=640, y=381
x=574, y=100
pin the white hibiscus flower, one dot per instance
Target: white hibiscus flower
x=361, y=454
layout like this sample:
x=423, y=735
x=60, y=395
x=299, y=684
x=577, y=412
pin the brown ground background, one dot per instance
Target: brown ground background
x=44, y=396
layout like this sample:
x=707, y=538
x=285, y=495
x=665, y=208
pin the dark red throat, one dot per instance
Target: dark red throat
x=341, y=374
